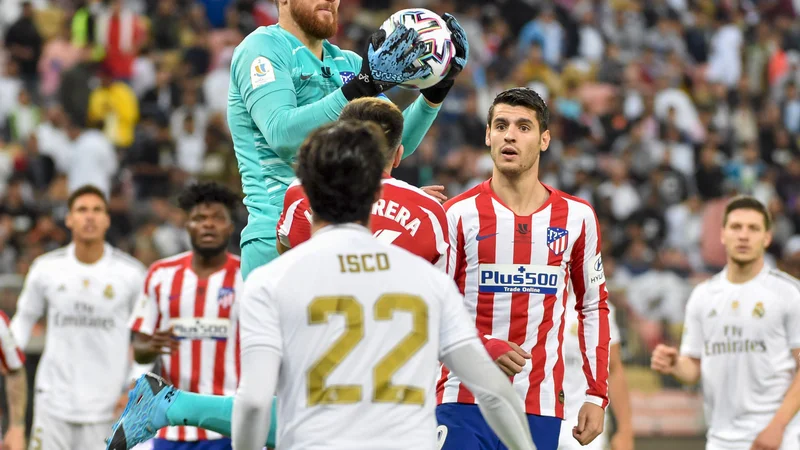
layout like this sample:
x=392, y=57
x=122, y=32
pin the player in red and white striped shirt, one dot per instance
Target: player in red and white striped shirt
x=405, y=215
x=516, y=244
x=12, y=366
x=189, y=310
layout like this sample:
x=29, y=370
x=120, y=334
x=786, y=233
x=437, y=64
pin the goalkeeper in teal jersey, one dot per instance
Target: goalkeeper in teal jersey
x=287, y=80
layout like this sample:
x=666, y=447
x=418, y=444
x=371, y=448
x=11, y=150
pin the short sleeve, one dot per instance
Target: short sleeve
x=792, y=318
x=294, y=225
x=11, y=356
x=692, y=339
x=613, y=328
x=456, y=329
x=259, y=321
x=145, y=315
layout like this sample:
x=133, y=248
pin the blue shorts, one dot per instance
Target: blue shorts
x=213, y=444
x=462, y=427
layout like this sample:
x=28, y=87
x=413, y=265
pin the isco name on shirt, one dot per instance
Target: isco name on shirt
x=523, y=278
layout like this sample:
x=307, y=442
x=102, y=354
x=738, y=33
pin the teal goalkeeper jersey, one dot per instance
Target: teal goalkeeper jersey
x=280, y=92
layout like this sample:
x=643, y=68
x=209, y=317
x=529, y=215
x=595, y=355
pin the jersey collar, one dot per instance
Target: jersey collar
x=107, y=251
x=342, y=227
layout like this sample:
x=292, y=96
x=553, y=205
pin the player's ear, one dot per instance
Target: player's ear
x=398, y=156
x=544, y=140
x=768, y=239
x=488, y=141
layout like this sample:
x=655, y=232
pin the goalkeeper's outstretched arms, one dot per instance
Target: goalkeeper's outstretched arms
x=261, y=76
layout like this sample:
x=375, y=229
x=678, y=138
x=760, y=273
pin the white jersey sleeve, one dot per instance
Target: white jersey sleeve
x=792, y=319
x=692, y=339
x=259, y=323
x=31, y=305
x=613, y=328
x=455, y=326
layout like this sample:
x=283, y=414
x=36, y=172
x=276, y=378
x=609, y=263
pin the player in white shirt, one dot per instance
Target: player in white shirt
x=349, y=330
x=88, y=290
x=741, y=338
x=575, y=386
x=12, y=366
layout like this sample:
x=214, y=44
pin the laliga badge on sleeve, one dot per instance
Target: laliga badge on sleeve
x=261, y=72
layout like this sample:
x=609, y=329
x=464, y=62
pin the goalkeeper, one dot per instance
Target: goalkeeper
x=287, y=80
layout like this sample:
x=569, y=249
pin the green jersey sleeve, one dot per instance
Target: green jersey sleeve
x=261, y=70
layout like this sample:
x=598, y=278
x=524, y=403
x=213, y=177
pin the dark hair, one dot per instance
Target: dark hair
x=747, y=202
x=523, y=97
x=385, y=114
x=340, y=165
x=87, y=189
x=207, y=192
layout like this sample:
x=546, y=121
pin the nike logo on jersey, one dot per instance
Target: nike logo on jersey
x=485, y=236
x=305, y=77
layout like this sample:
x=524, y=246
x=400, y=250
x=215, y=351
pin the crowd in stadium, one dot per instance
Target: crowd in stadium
x=662, y=110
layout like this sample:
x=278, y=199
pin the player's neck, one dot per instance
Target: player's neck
x=89, y=252
x=742, y=273
x=523, y=194
x=205, y=265
x=312, y=43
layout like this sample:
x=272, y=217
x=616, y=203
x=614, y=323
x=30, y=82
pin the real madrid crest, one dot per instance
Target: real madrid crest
x=109, y=292
x=758, y=310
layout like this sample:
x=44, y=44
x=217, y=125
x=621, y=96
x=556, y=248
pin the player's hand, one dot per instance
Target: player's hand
x=622, y=440
x=436, y=94
x=435, y=191
x=389, y=62
x=590, y=423
x=14, y=438
x=512, y=362
x=664, y=359
x=163, y=342
x=769, y=439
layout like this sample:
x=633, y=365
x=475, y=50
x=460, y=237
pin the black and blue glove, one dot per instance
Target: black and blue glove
x=437, y=92
x=389, y=62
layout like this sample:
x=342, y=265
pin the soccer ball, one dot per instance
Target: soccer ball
x=433, y=31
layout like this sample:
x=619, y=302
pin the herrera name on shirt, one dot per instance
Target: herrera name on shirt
x=398, y=213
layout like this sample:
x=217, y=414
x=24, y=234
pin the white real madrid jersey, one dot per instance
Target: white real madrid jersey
x=86, y=361
x=360, y=326
x=743, y=334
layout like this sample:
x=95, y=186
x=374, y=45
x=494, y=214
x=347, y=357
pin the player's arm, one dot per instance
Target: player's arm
x=31, y=305
x=589, y=284
x=684, y=365
x=619, y=399
x=261, y=69
x=261, y=351
x=148, y=342
x=463, y=355
x=12, y=361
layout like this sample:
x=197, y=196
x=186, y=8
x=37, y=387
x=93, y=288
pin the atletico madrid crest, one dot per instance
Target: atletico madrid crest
x=557, y=240
x=225, y=297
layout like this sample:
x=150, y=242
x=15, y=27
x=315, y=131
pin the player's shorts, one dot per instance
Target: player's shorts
x=211, y=444
x=462, y=427
x=51, y=433
x=256, y=253
x=568, y=442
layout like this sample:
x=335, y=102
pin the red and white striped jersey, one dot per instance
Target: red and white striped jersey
x=514, y=272
x=11, y=357
x=204, y=315
x=404, y=216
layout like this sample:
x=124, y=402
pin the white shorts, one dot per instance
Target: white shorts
x=567, y=442
x=50, y=433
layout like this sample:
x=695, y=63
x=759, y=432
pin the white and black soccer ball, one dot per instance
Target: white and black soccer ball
x=433, y=31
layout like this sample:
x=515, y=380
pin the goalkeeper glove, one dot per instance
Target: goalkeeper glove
x=437, y=92
x=389, y=62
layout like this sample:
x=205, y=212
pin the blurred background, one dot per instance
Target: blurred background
x=661, y=110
